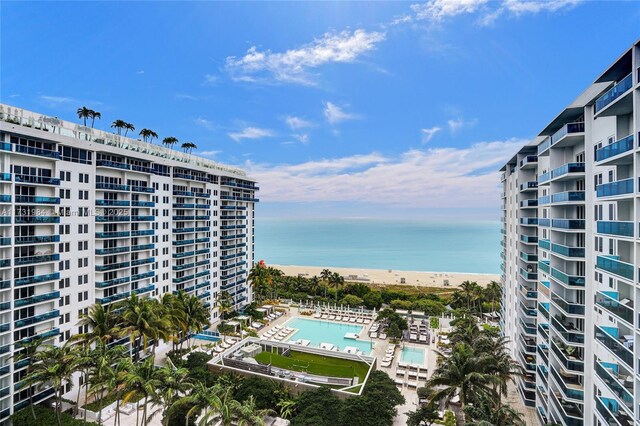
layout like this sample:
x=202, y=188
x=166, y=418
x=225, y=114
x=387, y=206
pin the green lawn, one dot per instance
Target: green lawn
x=315, y=364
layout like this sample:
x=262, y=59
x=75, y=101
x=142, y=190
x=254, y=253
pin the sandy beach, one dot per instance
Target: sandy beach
x=388, y=276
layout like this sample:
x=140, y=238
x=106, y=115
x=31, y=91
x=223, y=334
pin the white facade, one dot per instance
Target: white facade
x=91, y=217
x=569, y=302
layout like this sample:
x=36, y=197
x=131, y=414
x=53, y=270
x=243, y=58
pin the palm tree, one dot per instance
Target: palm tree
x=53, y=366
x=493, y=292
x=118, y=125
x=188, y=147
x=102, y=324
x=28, y=350
x=169, y=141
x=84, y=113
x=102, y=372
x=94, y=114
x=174, y=382
x=314, y=283
x=82, y=362
x=225, y=304
x=337, y=281
x=141, y=381
x=247, y=414
x=287, y=407
x=127, y=127
x=148, y=135
x=142, y=320
x=258, y=277
x=203, y=400
x=117, y=383
x=325, y=275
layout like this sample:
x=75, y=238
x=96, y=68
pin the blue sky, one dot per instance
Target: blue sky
x=340, y=109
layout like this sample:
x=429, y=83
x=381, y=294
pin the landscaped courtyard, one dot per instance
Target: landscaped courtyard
x=315, y=364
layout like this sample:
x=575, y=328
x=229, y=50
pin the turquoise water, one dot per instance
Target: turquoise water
x=412, y=356
x=439, y=246
x=327, y=332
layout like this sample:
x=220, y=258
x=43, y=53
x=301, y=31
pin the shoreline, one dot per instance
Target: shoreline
x=392, y=276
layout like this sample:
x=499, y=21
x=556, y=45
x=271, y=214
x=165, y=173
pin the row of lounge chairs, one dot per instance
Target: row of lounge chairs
x=410, y=379
x=390, y=353
x=274, y=315
x=343, y=316
x=376, y=332
x=278, y=332
x=419, y=333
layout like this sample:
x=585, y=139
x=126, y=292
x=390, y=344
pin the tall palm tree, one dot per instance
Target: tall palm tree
x=102, y=372
x=142, y=320
x=325, y=275
x=225, y=304
x=102, y=323
x=170, y=141
x=337, y=281
x=94, y=114
x=468, y=290
x=127, y=127
x=28, y=350
x=84, y=113
x=259, y=277
x=188, y=147
x=118, y=125
x=148, y=135
x=82, y=362
x=174, y=382
x=247, y=414
x=493, y=292
x=204, y=400
x=140, y=382
x=314, y=283
x=53, y=366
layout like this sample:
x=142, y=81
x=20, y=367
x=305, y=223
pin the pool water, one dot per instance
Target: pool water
x=327, y=332
x=413, y=356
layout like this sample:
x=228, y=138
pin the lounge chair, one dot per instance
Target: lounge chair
x=373, y=335
x=382, y=335
x=325, y=316
x=385, y=364
x=317, y=315
x=352, y=319
x=332, y=317
x=359, y=320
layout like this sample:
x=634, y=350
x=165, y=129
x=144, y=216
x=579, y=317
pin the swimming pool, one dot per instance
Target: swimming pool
x=327, y=332
x=413, y=356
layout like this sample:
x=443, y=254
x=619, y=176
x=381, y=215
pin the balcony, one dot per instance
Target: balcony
x=567, y=331
x=543, y=265
x=183, y=242
x=40, y=180
x=614, y=93
x=526, y=221
x=147, y=218
x=543, y=329
x=113, y=164
x=528, y=162
x=528, y=239
x=567, y=170
x=112, y=266
x=183, y=193
x=183, y=254
x=142, y=232
x=112, y=250
x=619, y=384
x=112, y=186
x=37, y=239
x=567, y=251
x=528, y=186
x=567, y=356
x=612, y=414
x=614, y=266
x=145, y=189
x=37, y=279
x=117, y=234
x=528, y=328
x=569, y=384
x=621, y=229
x=570, y=224
x=144, y=275
x=37, y=151
x=569, y=308
x=136, y=203
x=568, y=197
x=107, y=219
x=142, y=247
x=30, y=260
x=613, y=189
x=545, y=244
x=544, y=200
x=571, y=413
x=37, y=219
x=543, y=308
x=112, y=282
x=543, y=352
x=138, y=262
x=615, y=149
x=526, y=203
x=119, y=203
x=36, y=299
x=620, y=346
x=37, y=318
x=608, y=300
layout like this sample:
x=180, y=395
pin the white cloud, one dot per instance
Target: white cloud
x=293, y=66
x=185, y=96
x=334, y=114
x=250, y=133
x=207, y=124
x=456, y=124
x=140, y=72
x=208, y=153
x=296, y=123
x=442, y=178
x=57, y=100
x=210, y=79
x=428, y=134
x=303, y=138
x=436, y=11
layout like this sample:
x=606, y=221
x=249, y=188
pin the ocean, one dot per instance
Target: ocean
x=439, y=246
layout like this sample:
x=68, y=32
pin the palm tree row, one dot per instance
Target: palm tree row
x=472, y=297
x=103, y=360
x=476, y=371
x=262, y=279
x=147, y=135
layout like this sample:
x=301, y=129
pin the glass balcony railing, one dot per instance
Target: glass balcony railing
x=529, y=329
x=613, y=265
x=41, y=180
x=114, y=164
x=545, y=244
x=30, y=260
x=138, y=262
x=112, y=186
x=528, y=185
x=567, y=307
x=112, y=282
x=618, y=384
x=567, y=251
x=116, y=234
x=142, y=218
x=523, y=221
x=568, y=196
x=531, y=239
x=620, y=346
x=142, y=232
x=37, y=239
x=543, y=329
x=543, y=308
x=614, y=93
x=523, y=203
x=143, y=203
x=612, y=189
x=567, y=169
x=568, y=223
x=37, y=151
x=543, y=265
x=120, y=203
x=31, y=199
x=142, y=276
x=37, y=279
x=183, y=242
x=112, y=250
x=614, y=149
x=37, y=318
x=620, y=308
x=5, y=241
x=569, y=385
x=145, y=189
x=567, y=330
x=105, y=219
x=36, y=299
x=37, y=219
x=570, y=280
x=569, y=360
x=142, y=247
x=112, y=266
x=612, y=413
x=622, y=229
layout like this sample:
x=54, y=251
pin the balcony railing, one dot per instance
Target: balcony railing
x=619, y=385
x=610, y=410
x=568, y=128
x=622, y=229
x=568, y=223
x=566, y=169
x=524, y=203
x=569, y=360
x=528, y=185
x=614, y=93
x=30, y=260
x=37, y=239
x=570, y=280
x=42, y=180
x=36, y=299
x=613, y=265
x=614, y=149
x=37, y=151
x=568, y=196
x=531, y=239
x=612, y=189
x=567, y=307
x=523, y=221
x=570, y=393
x=37, y=279
x=543, y=265
x=609, y=301
x=116, y=234
x=568, y=331
x=608, y=337
x=567, y=251
x=37, y=318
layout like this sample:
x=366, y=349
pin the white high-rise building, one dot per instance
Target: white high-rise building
x=572, y=255
x=92, y=217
